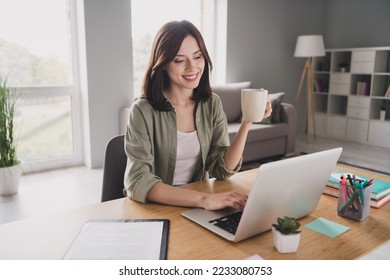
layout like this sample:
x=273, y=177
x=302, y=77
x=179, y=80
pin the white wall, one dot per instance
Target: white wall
x=106, y=71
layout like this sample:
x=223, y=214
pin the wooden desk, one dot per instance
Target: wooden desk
x=50, y=237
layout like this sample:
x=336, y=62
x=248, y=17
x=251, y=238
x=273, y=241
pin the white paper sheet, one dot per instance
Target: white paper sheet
x=118, y=240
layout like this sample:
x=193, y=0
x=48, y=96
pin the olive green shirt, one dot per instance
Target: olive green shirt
x=151, y=142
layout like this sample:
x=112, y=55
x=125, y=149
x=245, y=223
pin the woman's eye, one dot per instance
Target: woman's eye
x=179, y=61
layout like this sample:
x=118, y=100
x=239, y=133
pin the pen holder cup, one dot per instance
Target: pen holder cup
x=354, y=202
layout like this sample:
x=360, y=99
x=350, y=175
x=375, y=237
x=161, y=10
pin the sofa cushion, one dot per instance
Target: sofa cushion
x=260, y=132
x=230, y=95
x=276, y=101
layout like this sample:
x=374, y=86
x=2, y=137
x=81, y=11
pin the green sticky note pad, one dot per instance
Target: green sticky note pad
x=327, y=227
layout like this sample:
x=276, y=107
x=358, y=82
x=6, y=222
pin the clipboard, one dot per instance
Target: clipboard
x=121, y=239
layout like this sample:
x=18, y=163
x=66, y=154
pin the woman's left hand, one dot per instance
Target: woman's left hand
x=268, y=109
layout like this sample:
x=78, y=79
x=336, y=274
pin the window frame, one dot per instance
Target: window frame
x=72, y=91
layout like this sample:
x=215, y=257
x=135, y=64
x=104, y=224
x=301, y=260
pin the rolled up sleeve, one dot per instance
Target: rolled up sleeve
x=139, y=175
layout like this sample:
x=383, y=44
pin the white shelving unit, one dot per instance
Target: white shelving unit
x=349, y=91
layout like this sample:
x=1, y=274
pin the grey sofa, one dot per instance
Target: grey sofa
x=272, y=137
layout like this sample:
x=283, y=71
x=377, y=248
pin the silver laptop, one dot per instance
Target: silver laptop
x=290, y=187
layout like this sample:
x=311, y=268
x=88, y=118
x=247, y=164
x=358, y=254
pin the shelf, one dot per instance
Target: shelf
x=360, y=84
x=322, y=64
x=382, y=61
x=349, y=94
x=321, y=82
x=338, y=105
x=341, y=61
x=377, y=105
x=381, y=84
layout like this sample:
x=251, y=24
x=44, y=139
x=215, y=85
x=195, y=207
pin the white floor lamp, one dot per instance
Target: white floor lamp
x=308, y=46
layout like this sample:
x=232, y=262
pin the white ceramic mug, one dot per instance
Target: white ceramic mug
x=253, y=104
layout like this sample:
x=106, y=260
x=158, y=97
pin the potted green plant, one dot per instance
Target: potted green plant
x=286, y=234
x=10, y=167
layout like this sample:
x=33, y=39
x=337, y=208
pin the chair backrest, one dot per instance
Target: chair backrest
x=115, y=160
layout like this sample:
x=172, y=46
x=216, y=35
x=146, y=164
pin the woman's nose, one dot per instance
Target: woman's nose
x=190, y=64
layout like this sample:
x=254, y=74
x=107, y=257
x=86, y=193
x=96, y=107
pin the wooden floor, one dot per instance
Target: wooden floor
x=364, y=156
x=70, y=188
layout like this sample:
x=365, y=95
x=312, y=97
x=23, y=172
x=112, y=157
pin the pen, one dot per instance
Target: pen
x=350, y=192
x=368, y=183
x=344, y=187
x=350, y=179
x=352, y=198
x=361, y=192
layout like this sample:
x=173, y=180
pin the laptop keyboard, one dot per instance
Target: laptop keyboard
x=229, y=222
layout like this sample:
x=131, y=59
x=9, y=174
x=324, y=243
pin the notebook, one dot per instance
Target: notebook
x=121, y=239
x=290, y=187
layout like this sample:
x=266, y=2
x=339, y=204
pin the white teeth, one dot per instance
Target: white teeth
x=190, y=77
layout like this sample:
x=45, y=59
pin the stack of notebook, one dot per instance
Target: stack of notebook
x=380, y=191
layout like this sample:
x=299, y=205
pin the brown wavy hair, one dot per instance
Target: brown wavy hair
x=165, y=47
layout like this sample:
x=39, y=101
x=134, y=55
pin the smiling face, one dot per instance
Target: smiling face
x=186, y=69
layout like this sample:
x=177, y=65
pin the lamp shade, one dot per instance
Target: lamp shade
x=309, y=46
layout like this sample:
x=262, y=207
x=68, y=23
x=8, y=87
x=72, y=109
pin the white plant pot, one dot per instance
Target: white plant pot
x=382, y=115
x=285, y=243
x=9, y=179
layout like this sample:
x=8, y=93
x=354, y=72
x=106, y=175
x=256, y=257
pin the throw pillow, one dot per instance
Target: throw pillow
x=276, y=101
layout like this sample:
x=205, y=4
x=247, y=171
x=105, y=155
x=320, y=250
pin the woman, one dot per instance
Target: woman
x=177, y=130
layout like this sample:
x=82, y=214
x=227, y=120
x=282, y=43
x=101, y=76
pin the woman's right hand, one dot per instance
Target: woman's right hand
x=166, y=194
x=222, y=200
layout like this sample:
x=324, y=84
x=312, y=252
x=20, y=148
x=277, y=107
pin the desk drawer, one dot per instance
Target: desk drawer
x=367, y=56
x=362, y=67
x=379, y=134
x=340, y=78
x=358, y=113
x=361, y=102
x=357, y=130
x=342, y=89
x=336, y=126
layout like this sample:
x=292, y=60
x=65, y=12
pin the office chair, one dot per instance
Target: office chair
x=115, y=160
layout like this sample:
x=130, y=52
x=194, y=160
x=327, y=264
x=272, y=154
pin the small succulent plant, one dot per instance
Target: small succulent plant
x=287, y=225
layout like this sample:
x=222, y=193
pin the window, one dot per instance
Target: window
x=37, y=58
x=147, y=21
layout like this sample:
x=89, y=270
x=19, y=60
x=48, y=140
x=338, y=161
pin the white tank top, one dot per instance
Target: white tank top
x=188, y=155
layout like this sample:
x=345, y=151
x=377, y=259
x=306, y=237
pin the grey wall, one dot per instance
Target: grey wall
x=261, y=37
x=357, y=23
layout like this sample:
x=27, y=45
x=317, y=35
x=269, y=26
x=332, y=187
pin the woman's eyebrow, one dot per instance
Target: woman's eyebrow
x=198, y=51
